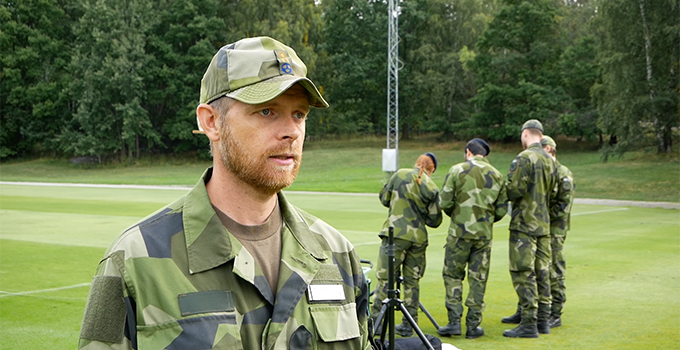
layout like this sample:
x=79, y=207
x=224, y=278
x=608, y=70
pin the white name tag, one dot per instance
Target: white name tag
x=325, y=292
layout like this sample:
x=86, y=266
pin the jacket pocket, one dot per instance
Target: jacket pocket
x=207, y=331
x=335, y=322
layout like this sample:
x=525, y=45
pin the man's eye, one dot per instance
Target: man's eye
x=300, y=115
x=266, y=111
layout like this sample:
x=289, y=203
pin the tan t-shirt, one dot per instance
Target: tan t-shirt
x=263, y=242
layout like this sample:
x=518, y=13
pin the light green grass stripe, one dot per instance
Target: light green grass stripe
x=63, y=229
x=12, y=294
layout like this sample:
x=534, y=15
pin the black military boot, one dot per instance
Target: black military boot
x=514, y=319
x=522, y=331
x=453, y=328
x=555, y=321
x=474, y=332
x=543, y=324
x=404, y=329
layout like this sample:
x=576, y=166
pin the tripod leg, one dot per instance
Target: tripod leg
x=422, y=307
x=385, y=322
x=379, y=320
x=413, y=323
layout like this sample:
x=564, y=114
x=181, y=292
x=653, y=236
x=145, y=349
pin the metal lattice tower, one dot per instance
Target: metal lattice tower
x=393, y=76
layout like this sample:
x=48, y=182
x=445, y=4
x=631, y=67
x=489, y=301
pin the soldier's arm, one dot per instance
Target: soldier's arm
x=561, y=204
x=385, y=195
x=518, y=178
x=106, y=320
x=432, y=199
x=448, y=194
x=501, y=204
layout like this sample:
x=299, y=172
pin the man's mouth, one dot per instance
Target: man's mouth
x=284, y=159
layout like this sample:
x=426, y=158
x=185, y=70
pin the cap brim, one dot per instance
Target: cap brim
x=270, y=89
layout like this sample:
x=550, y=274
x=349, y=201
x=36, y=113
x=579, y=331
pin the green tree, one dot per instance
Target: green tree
x=437, y=39
x=516, y=70
x=640, y=58
x=179, y=46
x=35, y=38
x=355, y=73
x=578, y=68
x=108, y=86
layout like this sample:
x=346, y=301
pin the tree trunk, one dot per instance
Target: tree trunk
x=658, y=128
x=667, y=140
x=673, y=85
x=405, y=132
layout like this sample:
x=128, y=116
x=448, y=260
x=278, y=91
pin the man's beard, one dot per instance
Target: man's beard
x=254, y=169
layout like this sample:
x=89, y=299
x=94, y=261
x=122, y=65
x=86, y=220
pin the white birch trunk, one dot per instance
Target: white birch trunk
x=648, y=60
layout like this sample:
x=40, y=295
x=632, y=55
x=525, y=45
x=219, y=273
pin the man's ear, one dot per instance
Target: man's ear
x=209, y=119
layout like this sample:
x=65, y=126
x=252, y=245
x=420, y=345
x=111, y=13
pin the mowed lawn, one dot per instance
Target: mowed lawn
x=623, y=273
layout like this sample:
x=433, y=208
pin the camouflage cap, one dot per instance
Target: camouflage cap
x=532, y=124
x=548, y=141
x=256, y=70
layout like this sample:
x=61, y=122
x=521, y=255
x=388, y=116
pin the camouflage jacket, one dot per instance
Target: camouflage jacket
x=531, y=179
x=412, y=206
x=474, y=196
x=179, y=280
x=560, y=207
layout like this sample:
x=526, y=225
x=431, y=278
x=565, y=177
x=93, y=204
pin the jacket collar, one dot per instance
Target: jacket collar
x=535, y=145
x=208, y=242
x=479, y=159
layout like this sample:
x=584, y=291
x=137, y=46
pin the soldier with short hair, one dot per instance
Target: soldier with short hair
x=560, y=217
x=531, y=179
x=413, y=201
x=474, y=196
x=232, y=264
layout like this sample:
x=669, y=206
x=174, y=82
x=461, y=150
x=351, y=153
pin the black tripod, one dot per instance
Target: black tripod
x=392, y=303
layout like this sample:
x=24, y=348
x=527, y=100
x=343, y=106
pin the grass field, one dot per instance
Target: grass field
x=335, y=167
x=623, y=273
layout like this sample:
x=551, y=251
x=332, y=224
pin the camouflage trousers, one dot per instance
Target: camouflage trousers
x=557, y=270
x=476, y=255
x=409, y=261
x=530, y=271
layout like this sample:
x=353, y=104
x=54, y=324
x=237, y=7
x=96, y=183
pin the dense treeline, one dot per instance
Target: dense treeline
x=114, y=79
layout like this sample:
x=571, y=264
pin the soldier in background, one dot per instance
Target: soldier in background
x=233, y=264
x=560, y=214
x=531, y=179
x=413, y=202
x=474, y=196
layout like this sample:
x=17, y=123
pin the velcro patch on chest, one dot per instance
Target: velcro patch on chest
x=206, y=302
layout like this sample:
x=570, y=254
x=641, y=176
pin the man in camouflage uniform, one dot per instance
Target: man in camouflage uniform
x=560, y=215
x=413, y=202
x=531, y=179
x=474, y=196
x=232, y=264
